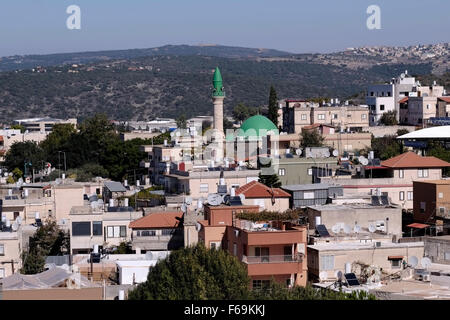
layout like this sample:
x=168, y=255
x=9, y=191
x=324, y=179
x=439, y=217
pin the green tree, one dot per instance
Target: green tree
x=435, y=149
x=58, y=140
x=401, y=132
x=24, y=151
x=17, y=174
x=18, y=127
x=241, y=112
x=227, y=124
x=386, y=147
x=181, y=121
x=272, y=181
x=273, y=106
x=389, y=118
x=48, y=240
x=311, y=138
x=195, y=273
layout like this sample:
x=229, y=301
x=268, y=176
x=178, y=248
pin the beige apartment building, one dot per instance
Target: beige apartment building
x=401, y=170
x=299, y=115
x=332, y=257
x=199, y=184
x=92, y=226
x=10, y=251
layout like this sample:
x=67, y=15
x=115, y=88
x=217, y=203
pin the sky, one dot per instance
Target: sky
x=297, y=26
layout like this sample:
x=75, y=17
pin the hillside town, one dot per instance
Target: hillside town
x=343, y=197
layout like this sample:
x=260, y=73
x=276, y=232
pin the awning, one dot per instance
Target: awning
x=395, y=258
x=418, y=225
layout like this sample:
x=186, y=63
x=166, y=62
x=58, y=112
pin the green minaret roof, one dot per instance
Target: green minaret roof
x=218, y=84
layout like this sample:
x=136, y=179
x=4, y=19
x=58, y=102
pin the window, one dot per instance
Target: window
x=401, y=195
x=81, y=229
x=260, y=284
x=401, y=173
x=262, y=252
x=447, y=256
x=310, y=172
x=371, y=93
x=2, y=249
x=97, y=228
x=363, y=116
x=410, y=195
x=148, y=233
x=214, y=245
x=422, y=173
x=441, y=210
x=304, y=117
x=423, y=207
x=308, y=195
x=396, y=264
x=168, y=232
x=321, y=116
x=441, y=195
x=428, y=107
x=327, y=263
x=281, y=172
x=204, y=188
x=118, y=232
x=382, y=107
x=2, y=273
x=335, y=116
x=235, y=249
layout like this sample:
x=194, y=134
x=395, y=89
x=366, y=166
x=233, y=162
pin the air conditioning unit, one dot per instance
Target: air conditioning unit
x=426, y=277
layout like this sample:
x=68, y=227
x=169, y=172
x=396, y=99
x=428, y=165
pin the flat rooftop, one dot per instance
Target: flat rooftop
x=438, y=182
x=343, y=207
x=346, y=246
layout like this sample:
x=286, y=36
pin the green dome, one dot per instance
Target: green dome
x=257, y=126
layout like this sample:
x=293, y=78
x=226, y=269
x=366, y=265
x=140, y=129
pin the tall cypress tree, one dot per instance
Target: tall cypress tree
x=273, y=106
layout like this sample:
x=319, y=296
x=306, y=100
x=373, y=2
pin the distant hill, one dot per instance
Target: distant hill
x=31, y=61
x=143, y=88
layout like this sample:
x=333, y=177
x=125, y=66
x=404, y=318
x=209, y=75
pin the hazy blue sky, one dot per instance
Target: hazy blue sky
x=39, y=26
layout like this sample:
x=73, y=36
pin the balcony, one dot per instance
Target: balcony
x=273, y=264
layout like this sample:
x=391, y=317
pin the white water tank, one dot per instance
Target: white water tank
x=8, y=223
x=138, y=183
x=200, y=204
x=111, y=202
x=121, y=295
x=233, y=192
x=318, y=220
x=63, y=176
x=125, y=183
x=95, y=248
x=348, y=267
x=36, y=215
x=125, y=202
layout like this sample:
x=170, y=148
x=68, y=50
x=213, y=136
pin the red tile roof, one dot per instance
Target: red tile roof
x=446, y=99
x=412, y=160
x=255, y=189
x=157, y=220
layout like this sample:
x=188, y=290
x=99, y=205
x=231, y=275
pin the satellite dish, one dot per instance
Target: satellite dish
x=365, y=162
x=372, y=228
x=323, y=275
x=402, y=76
x=19, y=220
x=361, y=159
x=425, y=262
x=357, y=228
x=298, y=152
x=188, y=201
x=335, y=153
x=15, y=226
x=214, y=199
x=327, y=154
x=413, y=261
x=198, y=226
x=339, y=274
x=336, y=228
x=347, y=229
x=58, y=181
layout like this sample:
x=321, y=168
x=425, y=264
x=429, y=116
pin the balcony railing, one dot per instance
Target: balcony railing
x=272, y=259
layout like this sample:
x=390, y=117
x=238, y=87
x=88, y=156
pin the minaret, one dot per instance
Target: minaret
x=218, y=96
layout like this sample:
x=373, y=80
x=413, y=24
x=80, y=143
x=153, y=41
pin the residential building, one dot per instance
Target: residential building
x=10, y=253
x=113, y=190
x=270, y=199
x=157, y=231
x=386, y=219
x=303, y=195
x=144, y=135
x=432, y=202
x=443, y=107
x=91, y=225
x=393, y=177
x=43, y=124
x=386, y=257
x=438, y=249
